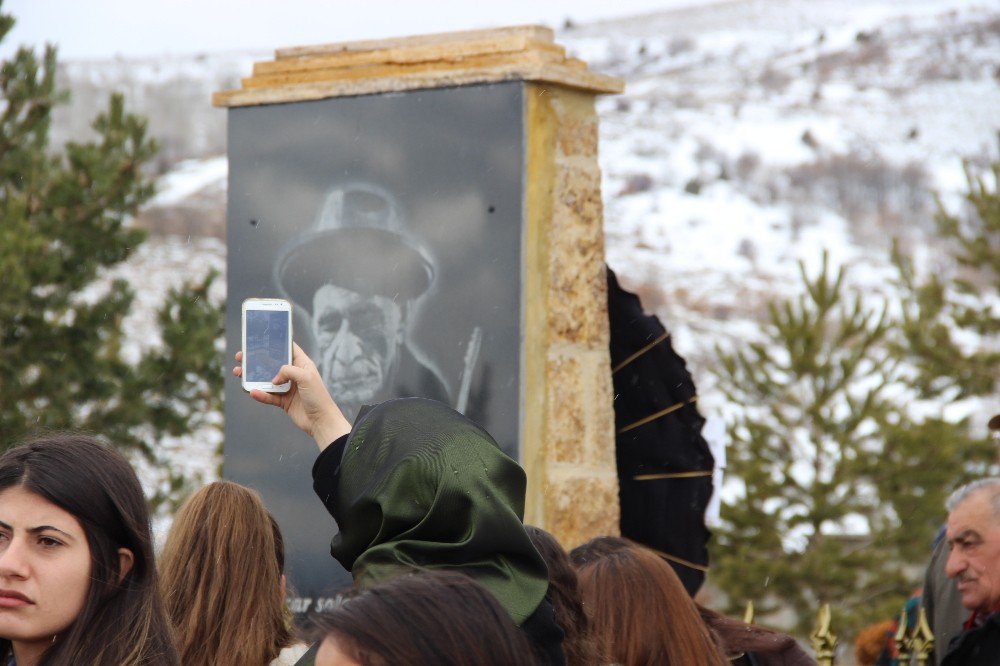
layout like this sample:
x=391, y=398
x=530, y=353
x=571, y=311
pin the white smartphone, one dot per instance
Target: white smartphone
x=267, y=342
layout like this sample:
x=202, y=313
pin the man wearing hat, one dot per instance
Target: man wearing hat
x=359, y=277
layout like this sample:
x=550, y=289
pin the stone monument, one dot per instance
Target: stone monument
x=432, y=207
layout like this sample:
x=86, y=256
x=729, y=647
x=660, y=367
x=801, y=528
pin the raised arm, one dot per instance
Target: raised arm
x=307, y=403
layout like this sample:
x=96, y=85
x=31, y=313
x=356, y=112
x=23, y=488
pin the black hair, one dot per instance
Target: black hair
x=122, y=621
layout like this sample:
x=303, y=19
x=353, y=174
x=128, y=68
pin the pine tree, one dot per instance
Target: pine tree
x=842, y=487
x=64, y=218
x=951, y=324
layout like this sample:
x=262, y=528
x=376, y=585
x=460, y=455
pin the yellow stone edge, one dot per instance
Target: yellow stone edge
x=539, y=181
x=534, y=73
x=537, y=32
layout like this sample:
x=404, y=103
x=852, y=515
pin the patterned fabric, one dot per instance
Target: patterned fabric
x=664, y=464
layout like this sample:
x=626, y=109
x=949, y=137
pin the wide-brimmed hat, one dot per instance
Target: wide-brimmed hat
x=358, y=243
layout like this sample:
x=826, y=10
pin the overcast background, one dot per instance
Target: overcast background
x=108, y=28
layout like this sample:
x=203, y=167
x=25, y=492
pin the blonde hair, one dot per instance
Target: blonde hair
x=220, y=575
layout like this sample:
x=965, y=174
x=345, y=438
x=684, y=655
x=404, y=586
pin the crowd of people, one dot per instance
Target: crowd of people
x=430, y=516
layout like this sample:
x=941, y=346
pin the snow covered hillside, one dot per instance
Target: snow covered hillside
x=752, y=134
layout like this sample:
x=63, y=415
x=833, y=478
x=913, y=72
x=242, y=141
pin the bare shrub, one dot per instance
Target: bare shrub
x=987, y=31
x=706, y=152
x=679, y=45
x=650, y=287
x=748, y=250
x=714, y=163
x=175, y=106
x=184, y=219
x=747, y=164
x=774, y=80
x=940, y=70
x=637, y=182
x=809, y=140
x=870, y=53
x=688, y=99
x=802, y=217
x=866, y=53
x=865, y=190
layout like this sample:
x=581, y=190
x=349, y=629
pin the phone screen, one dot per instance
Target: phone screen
x=267, y=343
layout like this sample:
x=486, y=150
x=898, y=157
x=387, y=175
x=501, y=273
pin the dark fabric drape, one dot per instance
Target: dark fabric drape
x=420, y=486
x=666, y=513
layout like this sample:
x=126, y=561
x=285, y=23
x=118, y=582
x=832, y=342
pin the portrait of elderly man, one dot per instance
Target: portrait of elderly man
x=973, y=535
x=359, y=278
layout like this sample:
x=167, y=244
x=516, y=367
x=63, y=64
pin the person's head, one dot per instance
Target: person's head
x=357, y=340
x=639, y=611
x=872, y=642
x=77, y=575
x=220, y=572
x=564, y=593
x=432, y=618
x=422, y=485
x=736, y=637
x=973, y=533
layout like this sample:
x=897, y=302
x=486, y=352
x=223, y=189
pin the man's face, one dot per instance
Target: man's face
x=974, y=561
x=357, y=338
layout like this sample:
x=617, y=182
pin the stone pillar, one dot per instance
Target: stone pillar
x=569, y=417
x=567, y=438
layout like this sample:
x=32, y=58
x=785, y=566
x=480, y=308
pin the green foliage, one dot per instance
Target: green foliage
x=825, y=445
x=63, y=222
x=940, y=314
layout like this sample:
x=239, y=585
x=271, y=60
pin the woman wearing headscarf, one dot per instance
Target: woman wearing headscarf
x=416, y=485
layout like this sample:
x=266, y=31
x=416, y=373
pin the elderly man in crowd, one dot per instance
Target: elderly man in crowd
x=973, y=535
x=946, y=615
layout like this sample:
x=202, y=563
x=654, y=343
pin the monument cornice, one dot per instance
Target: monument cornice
x=520, y=53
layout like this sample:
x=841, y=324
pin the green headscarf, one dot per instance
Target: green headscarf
x=421, y=486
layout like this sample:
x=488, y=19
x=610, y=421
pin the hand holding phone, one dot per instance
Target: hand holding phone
x=308, y=404
x=267, y=343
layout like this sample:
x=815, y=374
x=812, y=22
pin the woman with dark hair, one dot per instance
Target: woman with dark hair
x=424, y=618
x=77, y=576
x=564, y=592
x=230, y=609
x=416, y=484
x=639, y=610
